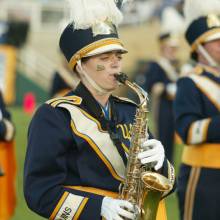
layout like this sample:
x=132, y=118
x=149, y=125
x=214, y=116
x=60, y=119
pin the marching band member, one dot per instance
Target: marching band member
x=7, y=164
x=77, y=147
x=161, y=76
x=197, y=111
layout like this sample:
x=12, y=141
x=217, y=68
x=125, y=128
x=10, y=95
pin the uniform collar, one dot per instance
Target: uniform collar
x=88, y=101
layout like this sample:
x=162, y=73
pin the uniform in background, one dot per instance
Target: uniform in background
x=197, y=111
x=7, y=164
x=63, y=81
x=59, y=87
x=160, y=80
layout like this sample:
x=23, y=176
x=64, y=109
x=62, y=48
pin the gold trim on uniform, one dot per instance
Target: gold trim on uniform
x=93, y=119
x=198, y=131
x=210, y=69
x=88, y=48
x=100, y=141
x=161, y=212
x=61, y=93
x=209, y=87
x=190, y=193
x=205, y=155
x=126, y=132
x=71, y=207
x=203, y=37
x=79, y=210
x=98, y=152
x=125, y=148
x=76, y=100
x=93, y=190
x=60, y=203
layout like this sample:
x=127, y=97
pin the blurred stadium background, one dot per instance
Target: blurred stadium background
x=33, y=29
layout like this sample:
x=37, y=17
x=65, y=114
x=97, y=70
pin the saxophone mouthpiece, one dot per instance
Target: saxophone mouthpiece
x=122, y=77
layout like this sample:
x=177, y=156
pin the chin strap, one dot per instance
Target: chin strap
x=207, y=56
x=99, y=90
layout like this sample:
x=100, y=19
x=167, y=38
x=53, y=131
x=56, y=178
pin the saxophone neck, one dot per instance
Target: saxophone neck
x=141, y=93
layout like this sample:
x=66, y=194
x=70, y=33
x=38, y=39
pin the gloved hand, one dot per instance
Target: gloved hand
x=171, y=89
x=153, y=151
x=115, y=209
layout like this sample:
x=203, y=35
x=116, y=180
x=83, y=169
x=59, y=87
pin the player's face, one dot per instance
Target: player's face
x=101, y=68
x=213, y=48
x=170, y=52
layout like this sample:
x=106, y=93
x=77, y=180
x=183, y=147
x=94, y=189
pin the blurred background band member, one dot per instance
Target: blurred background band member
x=64, y=80
x=161, y=76
x=76, y=154
x=7, y=164
x=197, y=111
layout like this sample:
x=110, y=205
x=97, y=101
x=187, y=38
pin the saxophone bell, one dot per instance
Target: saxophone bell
x=156, y=181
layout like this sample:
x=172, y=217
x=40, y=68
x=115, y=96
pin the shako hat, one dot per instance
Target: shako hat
x=203, y=22
x=93, y=30
x=171, y=26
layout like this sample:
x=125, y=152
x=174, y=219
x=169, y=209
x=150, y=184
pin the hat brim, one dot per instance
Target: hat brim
x=105, y=49
x=215, y=36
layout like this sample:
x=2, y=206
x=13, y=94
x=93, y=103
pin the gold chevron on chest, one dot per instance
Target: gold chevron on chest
x=208, y=87
x=88, y=128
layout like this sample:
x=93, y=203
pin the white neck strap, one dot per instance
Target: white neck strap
x=207, y=56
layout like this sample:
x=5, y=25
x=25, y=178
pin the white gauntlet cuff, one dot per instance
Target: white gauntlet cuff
x=9, y=130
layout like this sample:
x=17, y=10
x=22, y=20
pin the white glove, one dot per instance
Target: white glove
x=153, y=152
x=171, y=89
x=115, y=209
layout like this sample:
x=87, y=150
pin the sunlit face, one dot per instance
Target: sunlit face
x=101, y=68
x=213, y=48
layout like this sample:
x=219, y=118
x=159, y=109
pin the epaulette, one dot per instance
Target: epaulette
x=124, y=100
x=74, y=100
x=196, y=70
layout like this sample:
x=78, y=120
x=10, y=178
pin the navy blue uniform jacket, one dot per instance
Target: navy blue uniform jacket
x=75, y=156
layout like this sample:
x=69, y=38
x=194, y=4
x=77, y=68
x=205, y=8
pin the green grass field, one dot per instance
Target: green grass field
x=22, y=212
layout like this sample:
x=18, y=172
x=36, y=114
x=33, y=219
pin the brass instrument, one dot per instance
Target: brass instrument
x=142, y=187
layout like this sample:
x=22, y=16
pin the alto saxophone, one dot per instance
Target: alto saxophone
x=142, y=187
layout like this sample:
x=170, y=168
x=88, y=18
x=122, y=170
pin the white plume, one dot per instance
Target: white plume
x=171, y=21
x=85, y=13
x=194, y=9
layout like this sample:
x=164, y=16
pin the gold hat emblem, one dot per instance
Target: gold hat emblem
x=213, y=21
x=102, y=28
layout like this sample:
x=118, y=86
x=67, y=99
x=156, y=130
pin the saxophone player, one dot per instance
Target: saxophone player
x=197, y=114
x=78, y=144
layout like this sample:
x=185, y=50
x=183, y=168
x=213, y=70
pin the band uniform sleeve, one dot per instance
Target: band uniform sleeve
x=191, y=124
x=7, y=129
x=213, y=130
x=45, y=171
